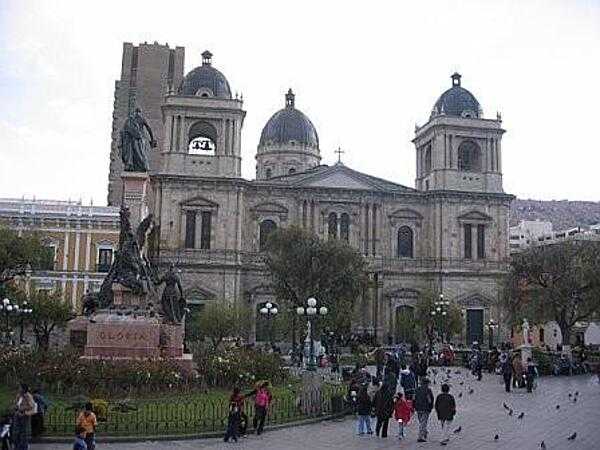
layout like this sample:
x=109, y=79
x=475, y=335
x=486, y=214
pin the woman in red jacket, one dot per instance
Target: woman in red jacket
x=402, y=413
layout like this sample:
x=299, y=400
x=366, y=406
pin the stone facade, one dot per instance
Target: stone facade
x=450, y=233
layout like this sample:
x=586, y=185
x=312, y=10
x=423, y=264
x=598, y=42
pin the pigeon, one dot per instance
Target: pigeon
x=461, y=383
x=92, y=321
x=471, y=391
x=575, y=400
x=510, y=412
x=576, y=393
x=459, y=394
x=496, y=437
x=570, y=395
x=505, y=405
x=543, y=445
x=458, y=430
x=557, y=406
x=520, y=416
x=572, y=437
x=457, y=372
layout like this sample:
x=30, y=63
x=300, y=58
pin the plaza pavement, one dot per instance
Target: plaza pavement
x=480, y=414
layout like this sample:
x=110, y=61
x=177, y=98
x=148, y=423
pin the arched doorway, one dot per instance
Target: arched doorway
x=404, y=324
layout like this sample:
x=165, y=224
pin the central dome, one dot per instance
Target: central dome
x=457, y=102
x=289, y=125
x=205, y=81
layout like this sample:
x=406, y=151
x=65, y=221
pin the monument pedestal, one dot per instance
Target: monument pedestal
x=525, y=353
x=135, y=189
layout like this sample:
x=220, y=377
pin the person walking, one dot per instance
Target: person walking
x=423, y=405
x=37, y=420
x=233, y=423
x=373, y=387
x=384, y=407
x=445, y=407
x=379, y=362
x=517, y=371
x=403, y=409
x=408, y=382
x=79, y=443
x=88, y=421
x=507, y=371
x=25, y=407
x=530, y=374
x=262, y=400
x=238, y=398
x=364, y=405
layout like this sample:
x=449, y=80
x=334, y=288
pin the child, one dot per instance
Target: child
x=233, y=422
x=87, y=421
x=79, y=443
x=402, y=412
x=445, y=407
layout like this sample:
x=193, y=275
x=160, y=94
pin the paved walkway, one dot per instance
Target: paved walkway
x=480, y=414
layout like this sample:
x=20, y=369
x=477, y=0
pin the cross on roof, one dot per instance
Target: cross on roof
x=339, y=152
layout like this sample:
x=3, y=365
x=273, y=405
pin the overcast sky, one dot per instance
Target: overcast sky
x=363, y=72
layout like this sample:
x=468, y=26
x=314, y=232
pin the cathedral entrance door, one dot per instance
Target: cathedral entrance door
x=405, y=324
x=474, y=326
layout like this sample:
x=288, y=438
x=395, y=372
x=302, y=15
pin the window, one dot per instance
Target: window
x=202, y=139
x=345, y=227
x=468, y=242
x=292, y=171
x=205, y=230
x=426, y=185
x=268, y=173
x=190, y=229
x=405, y=242
x=469, y=157
x=104, y=259
x=332, y=225
x=428, y=159
x=265, y=229
x=480, y=241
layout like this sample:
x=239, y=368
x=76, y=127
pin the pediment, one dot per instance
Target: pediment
x=197, y=295
x=407, y=214
x=198, y=202
x=475, y=216
x=474, y=300
x=339, y=180
x=266, y=208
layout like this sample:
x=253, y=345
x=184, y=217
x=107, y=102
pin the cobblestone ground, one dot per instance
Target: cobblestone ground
x=480, y=415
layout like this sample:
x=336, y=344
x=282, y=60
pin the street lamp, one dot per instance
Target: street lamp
x=491, y=325
x=312, y=313
x=269, y=311
x=440, y=310
x=8, y=311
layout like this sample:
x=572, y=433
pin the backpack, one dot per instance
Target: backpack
x=262, y=398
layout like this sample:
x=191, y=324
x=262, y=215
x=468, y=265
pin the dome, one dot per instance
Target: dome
x=205, y=81
x=289, y=124
x=457, y=102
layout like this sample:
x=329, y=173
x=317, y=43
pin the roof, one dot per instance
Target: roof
x=206, y=81
x=457, y=101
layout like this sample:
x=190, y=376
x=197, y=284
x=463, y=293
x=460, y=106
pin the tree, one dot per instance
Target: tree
x=18, y=253
x=559, y=282
x=220, y=320
x=304, y=266
x=49, y=313
x=444, y=325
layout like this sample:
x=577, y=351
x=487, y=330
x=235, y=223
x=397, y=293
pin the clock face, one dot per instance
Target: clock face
x=202, y=145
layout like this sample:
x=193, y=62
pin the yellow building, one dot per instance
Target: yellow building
x=82, y=237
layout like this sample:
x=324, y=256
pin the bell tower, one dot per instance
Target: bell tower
x=203, y=125
x=458, y=149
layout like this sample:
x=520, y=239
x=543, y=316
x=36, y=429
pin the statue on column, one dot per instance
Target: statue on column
x=172, y=301
x=525, y=328
x=135, y=145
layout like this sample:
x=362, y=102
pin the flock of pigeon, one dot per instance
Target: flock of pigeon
x=448, y=376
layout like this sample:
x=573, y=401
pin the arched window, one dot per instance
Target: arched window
x=202, y=139
x=266, y=228
x=332, y=225
x=292, y=171
x=268, y=173
x=345, y=227
x=469, y=157
x=428, y=159
x=405, y=242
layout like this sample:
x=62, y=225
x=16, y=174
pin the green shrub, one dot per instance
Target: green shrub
x=543, y=361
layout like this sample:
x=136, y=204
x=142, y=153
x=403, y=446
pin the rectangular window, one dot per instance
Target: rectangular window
x=190, y=229
x=205, y=231
x=468, y=241
x=104, y=259
x=480, y=241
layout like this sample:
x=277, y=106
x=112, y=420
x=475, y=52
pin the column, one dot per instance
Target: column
x=367, y=231
x=374, y=236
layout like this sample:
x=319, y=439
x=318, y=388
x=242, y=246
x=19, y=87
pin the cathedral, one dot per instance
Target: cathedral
x=448, y=233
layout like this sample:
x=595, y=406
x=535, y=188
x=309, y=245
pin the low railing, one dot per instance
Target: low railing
x=180, y=417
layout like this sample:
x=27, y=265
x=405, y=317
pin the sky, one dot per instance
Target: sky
x=364, y=72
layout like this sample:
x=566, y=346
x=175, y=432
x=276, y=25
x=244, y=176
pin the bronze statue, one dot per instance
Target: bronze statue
x=134, y=145
x=172, y=301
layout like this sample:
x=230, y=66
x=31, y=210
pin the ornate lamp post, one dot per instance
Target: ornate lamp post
x=269, y=311
x=440, y=310
x=312, y=313
x=8, y=311
x=491, y=325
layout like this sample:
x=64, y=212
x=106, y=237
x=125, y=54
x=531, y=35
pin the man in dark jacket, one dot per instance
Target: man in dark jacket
x=408, y=382
x=423, y=405
x=445, y=407
x=507, y=371
x=384, y=407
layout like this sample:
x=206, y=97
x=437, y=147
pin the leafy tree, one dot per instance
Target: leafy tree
x=18, y=253
x=220, y=320
x=557, y=282
x=49, y=313
x=304, y=266
x=430, y=325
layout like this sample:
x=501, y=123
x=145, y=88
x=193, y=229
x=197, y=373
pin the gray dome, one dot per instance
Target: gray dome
x=205, y=81
x=457, y=101
x=289, y=124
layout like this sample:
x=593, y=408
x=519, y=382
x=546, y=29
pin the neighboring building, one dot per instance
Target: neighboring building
x=148, y=73
x=530, y=233
x=83, y=239
x=451, y=232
